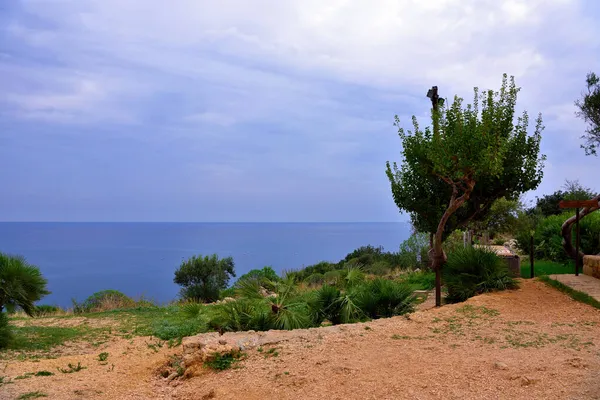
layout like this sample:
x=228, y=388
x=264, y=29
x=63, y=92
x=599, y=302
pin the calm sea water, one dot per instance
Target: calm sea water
x=79, y=259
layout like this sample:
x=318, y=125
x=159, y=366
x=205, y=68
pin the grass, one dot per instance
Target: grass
x=72, y=368
x=574, y=294
x=221, y=362
x=32, y=395
x=44, y=373
x=165, y=323
x=545, y=267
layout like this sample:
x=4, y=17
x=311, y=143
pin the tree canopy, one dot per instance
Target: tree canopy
x=202, y=278
x=548, y=204
x=589, y=110
x=472, y=155
x=419, y=190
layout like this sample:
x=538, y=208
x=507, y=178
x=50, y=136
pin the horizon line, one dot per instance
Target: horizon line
x=202, y=222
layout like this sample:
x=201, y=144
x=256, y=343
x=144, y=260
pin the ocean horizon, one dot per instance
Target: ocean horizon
x=140, y=258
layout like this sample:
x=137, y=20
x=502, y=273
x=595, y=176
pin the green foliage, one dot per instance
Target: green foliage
x=6, y=334
x=167, y=330
x=71, y=368
x=229, y=292
x=545, y=267
x=382, y=298
x=103, y=300
x=548, y=205
x=21, y=284
x=333, y=277
x=202, y=278
x=44, y=310
x=548, y=239
x=574, y=294
x=471, y=271
x=32, y=395
x=221, y=362
x=44, y=373
x=423, y=280
x=103, y=356
x=264, y=275
x=413, y=251
x=589, y=111
x=319, y=268
x=331, y=304
x=478, y=153
x=315, y=279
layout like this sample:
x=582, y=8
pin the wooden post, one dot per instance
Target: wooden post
x=577, y=242
x=531, y=256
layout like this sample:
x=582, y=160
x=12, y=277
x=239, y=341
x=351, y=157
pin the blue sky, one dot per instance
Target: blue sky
x=115, y=110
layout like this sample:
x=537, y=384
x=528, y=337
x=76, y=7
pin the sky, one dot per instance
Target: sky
x=263, y=110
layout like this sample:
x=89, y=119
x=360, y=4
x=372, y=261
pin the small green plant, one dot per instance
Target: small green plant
x=174, y=342
x=71, y=368
x=45, y=309
x=32, y=395
x=103, y=356
x=26, y=375
x=272, y=352
x=5, y=380
x=368, y=328
x=221, y=362
x=44, y=373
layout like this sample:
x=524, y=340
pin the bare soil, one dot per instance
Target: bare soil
x=532, y=343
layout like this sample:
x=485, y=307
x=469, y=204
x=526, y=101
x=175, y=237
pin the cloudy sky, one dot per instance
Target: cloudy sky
x=263, y=110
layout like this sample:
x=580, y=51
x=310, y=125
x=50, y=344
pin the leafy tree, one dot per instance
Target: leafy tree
x=548, y=204
x=589, y=111
x=202, y=278
x=479, y=154
x=21, y=284
x=501, y=217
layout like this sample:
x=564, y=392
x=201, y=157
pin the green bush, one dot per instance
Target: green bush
x=104, y=300
x=21, y=284
x=315, y=279
x=382, y=298
x=413, y=252
x=423, y=280
x=202, y=278
x=378, y=268
x=319, y=268
x=471, y=271
x=334, y=277
x=331, y=304
x=166, y=330
x=5, y=331
x=264, y=275
x=548, y=238
x=241, y=315
x=44, y=309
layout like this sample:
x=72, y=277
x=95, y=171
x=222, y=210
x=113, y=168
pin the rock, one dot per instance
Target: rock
x=222, y=341
x=500, y=365
x=172, y=376
x=526, y=381
x=228, y=300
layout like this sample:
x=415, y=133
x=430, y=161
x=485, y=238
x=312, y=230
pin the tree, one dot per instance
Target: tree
x=589, y=111
x=501, y=217
x=470, y=158
x=21, y=284
x=201, y=278
x=548, y=204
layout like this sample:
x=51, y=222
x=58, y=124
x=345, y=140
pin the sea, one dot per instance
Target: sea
x=139, y=259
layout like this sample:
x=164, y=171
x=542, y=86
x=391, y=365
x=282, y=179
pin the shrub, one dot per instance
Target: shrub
x=333, y=277
x=378, y=268
x=241, y=315
x=21, y=284
x=470, y=271
x=5, y=331
x=331, y=304
x=104, y=300
x=202, y=278
x=266, y=274
x=315, y=279
x=419, y=280
x=413, y=252
x=166, y=330
x=384, y=298
x=229, y=292
x=45, y=309
x=319, y=268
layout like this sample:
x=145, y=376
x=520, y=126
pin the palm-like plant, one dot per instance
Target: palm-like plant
x=21, y=284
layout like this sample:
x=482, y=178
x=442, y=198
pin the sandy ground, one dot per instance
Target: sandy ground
x=533, y=343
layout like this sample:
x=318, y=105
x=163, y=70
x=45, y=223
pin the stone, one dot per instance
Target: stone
x=500, y=365
x=526, y=381
x=172, y=376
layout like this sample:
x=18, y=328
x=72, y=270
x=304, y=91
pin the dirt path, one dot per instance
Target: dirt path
x=528, y=344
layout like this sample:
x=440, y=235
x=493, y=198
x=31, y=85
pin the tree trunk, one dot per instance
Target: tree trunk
x=439, y=257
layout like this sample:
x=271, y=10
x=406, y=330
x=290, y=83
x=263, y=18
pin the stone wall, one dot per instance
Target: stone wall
x=591, y=266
